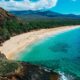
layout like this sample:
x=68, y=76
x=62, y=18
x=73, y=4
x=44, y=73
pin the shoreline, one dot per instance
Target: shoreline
x=18, y=43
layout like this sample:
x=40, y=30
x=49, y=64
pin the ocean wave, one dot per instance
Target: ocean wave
x=63, y=76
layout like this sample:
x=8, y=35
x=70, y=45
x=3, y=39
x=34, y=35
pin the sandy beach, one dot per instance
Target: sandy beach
x=18, y=43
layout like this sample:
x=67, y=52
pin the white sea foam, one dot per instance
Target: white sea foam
x=63, y=77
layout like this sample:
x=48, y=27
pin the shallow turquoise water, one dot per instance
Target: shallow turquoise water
x=61, y=53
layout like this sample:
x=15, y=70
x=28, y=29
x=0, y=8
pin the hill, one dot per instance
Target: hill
x=25, y=21
x=8, y=25
x=28, y=14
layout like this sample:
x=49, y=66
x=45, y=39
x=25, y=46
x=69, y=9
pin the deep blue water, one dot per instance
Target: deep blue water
x=60, y=53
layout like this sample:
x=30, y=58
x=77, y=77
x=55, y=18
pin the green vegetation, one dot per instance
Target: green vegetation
x=11, y=25
x=14, y=26
x=5, y=34
x=7, y=66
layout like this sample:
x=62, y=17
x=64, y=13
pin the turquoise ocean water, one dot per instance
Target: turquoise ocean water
x=60, y=53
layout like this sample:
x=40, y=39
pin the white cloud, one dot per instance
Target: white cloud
x=27, y=4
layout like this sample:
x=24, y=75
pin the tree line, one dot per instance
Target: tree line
x=15, y=27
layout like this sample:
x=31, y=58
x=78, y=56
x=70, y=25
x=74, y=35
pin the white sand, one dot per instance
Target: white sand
x=17, y=43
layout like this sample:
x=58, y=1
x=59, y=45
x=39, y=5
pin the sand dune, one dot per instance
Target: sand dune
x=17, y=43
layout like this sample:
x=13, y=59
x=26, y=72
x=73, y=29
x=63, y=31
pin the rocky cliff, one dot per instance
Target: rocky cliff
x=14, y=70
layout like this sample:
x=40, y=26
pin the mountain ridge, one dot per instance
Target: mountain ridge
x=48, y=13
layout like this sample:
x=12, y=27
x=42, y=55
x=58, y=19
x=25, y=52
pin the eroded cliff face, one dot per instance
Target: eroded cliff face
x=14, y=70
x=25, y=71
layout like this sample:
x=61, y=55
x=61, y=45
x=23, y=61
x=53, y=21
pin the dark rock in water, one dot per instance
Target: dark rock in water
x=60, y=47
x=11, y=70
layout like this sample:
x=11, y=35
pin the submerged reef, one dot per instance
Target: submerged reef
x=60, y=47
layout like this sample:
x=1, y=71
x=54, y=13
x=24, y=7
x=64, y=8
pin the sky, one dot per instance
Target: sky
x=67, y=7
x=61, y=6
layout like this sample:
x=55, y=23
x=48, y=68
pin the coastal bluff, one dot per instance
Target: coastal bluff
x=14, y=70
